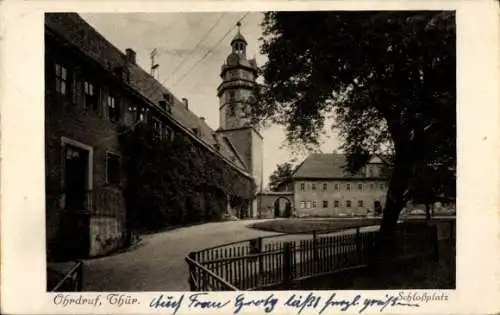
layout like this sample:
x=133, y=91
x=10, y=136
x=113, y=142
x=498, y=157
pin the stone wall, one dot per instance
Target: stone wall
x=106, y=235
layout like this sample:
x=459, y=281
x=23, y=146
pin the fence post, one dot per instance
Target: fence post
x=358, y=246
x=192, y=271
x=260, y=262
x=315, y=247
x=287, y=262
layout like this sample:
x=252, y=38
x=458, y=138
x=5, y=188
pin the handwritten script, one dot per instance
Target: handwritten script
x=295, y=303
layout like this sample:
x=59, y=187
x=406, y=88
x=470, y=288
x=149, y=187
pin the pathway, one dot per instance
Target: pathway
x=157, y=264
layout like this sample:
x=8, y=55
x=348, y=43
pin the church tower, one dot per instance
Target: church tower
x=238, y=76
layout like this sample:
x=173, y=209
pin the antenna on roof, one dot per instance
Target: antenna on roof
x=154, y=66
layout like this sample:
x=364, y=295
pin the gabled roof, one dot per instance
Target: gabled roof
x=327, y=166
x=75, y=30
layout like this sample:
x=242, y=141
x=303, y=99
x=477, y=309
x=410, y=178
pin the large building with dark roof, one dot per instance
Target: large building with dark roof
x=92, y=90
x=323, y=187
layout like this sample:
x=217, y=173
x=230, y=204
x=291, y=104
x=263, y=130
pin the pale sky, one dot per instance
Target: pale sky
x=192, y=47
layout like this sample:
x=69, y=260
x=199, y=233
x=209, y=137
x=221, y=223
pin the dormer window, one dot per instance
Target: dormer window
x=163, y=105
x=126, y=76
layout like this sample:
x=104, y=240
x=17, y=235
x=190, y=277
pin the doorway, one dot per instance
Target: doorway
x=75, y=219
x=75, y=178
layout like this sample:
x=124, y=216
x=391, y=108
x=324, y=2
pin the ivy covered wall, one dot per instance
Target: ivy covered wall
x=178, y=181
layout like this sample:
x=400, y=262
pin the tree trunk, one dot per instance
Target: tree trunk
x=396, y=199
x=395, y=202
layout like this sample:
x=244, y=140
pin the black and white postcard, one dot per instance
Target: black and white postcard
x=250, y=157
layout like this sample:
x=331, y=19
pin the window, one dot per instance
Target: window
x=325, y=186
x=336, y=203
x=348, y=203
x=302, y=204
x=382, y=186
x=112, y=168
x=157, y=128
x=141, y=114
x=126, y=75
x=90, y=100
x=371, y=186
x=168, y=133
x=313, y=186
x=360, y=203
x=336, y=187
x=325, y=203
x=61, y=79
x=370, y=171
x=348, y=187
x=360, y=186
x=302, y=186
x=314, y=203
x=163, y=105
x=113, y=109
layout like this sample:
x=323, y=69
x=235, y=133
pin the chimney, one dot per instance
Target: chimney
x=130, y=55
x=186, y=102
x=202, y=118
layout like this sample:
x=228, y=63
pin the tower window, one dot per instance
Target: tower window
x=232, y=95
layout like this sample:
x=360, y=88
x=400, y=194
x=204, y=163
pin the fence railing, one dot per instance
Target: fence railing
x=266, y=262
x=203, y=279
x=71, y=281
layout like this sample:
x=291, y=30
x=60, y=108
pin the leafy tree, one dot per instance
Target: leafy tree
x=282, y=174
x=388, y=78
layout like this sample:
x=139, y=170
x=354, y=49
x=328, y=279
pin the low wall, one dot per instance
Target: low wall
x=106, y=235
x=329, y=212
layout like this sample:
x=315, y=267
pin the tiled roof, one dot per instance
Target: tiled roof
x=325, y=166
x=78, y=32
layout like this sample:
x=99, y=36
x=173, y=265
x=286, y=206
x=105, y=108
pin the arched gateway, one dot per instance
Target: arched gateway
x=275, y=204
